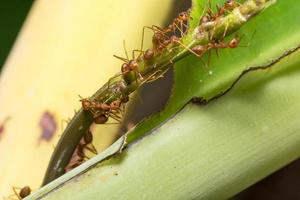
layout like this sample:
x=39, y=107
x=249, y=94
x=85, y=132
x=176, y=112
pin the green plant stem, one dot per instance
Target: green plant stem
x=123, y=85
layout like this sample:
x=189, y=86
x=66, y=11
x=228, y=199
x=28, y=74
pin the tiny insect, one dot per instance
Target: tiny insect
x=180, y=23
x=210, y=16
x=20, y=193
x=79, y=155
x=102, y=111
x=129, y=65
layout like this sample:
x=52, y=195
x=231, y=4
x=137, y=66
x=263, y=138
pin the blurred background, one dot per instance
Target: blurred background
x=283, y=184
x=12, y=15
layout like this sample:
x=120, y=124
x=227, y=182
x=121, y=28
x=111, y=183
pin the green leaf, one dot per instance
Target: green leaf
x=267, y=38
x=204, y=152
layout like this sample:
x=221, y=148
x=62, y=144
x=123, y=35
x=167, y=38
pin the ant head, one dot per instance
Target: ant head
x=101, y=119
x=25, y=191
x=148, y=54
x=234, y=42
x=85, y=103
x=132, y=64
x=230, y=4
x=115, y=104
x=183, y=16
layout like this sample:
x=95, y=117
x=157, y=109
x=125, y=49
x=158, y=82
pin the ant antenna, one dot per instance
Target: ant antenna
x=124, y=46
x=120, y=58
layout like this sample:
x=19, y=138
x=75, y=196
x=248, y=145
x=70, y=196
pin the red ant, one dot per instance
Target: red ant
x=102, y=111
x=179, y=23
x=21, y=194
x=233, y=43
x=79, y=156
x=199, y=50
x=160, y=38
x=210, y=16
x=129, y=65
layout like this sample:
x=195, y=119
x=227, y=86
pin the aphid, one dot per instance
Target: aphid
x=79, y=155
x=48, y=125
x=20, y=193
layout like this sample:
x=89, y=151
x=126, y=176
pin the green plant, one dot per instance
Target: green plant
x=172, y=154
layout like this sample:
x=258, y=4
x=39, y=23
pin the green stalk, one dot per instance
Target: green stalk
x=204, y=152
x=120, y=86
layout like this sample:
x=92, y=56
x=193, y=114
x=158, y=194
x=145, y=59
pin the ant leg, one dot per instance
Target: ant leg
x=180, y=30
x=157, y=28
x=217, y=53
x=248, y=43
x=154, y=76
x=91, y=149
x=153, y=28
x=120, y=58
x=115, y=117
x=110, y=79
x=142, y=43
x=124, y=47
x=15, y=192
x=189, y=49
x=137, y=50
x=136, y=78
x=225, y=31
x=209, y=10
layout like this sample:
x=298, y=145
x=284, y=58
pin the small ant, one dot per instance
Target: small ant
x=129, y=65
x=233, y=43
x=179, y=23
x=79, y=156
x=20, y=193
x=210, y=16
x=102, y=111
x=199, y=50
